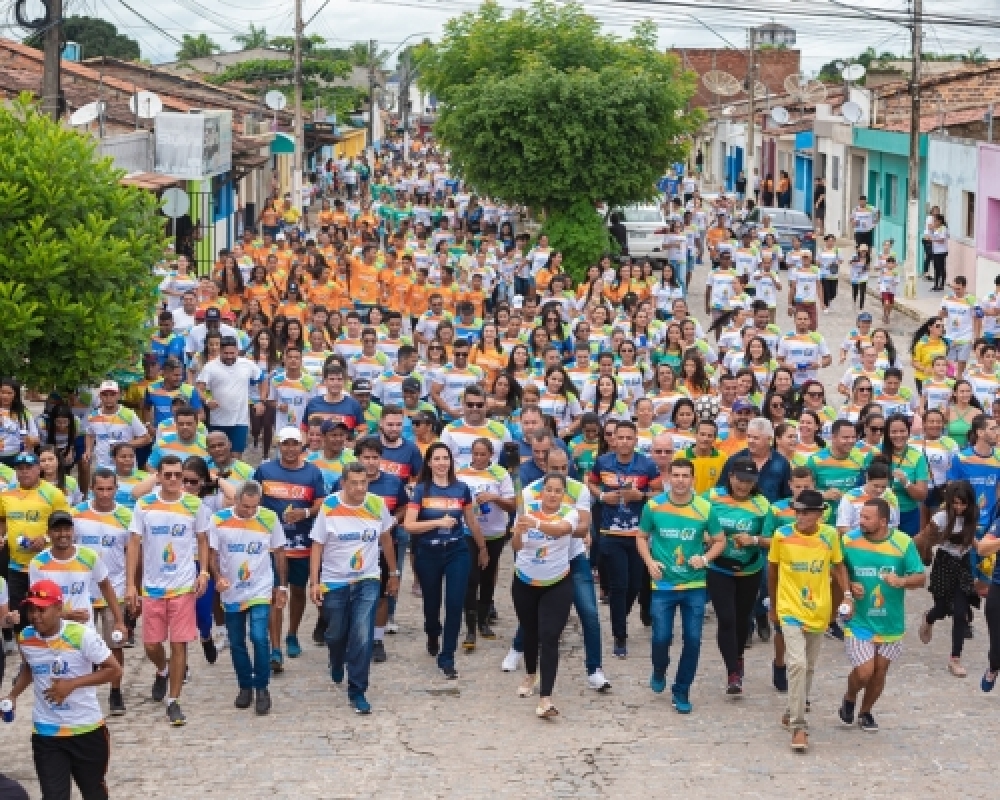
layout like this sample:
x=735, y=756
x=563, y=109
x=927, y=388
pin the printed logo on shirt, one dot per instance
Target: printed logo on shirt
x=287, y=491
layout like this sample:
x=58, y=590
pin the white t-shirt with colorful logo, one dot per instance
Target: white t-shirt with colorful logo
x=244, y=547
x=107, y=534
x=544, y=560
x=169, y=532
x=349, y=535
x=75, y=576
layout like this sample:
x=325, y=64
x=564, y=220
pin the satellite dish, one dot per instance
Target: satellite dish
x=275, y=100
x=145, y=105
x=87, y=114
x=852, y=112
x=760, y=89
x=175, y=203
x=721, y=83
x=804, y=89
x=853, y=72
x=728, y=111
x=780, y=115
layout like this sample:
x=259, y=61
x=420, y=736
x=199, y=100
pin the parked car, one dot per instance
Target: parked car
x=787, y=222
x=646, y=230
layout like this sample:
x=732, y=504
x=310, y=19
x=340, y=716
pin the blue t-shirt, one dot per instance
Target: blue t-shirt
x=172, y=347
x=390, y=488
x=161, y=399
x=983, y=474
x=346, y=410
x=436, y=502
x=611, y=474
x=296, y=488
x=403, y=461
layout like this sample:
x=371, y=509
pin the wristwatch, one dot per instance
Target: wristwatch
x=283, y=589
x=395, y=573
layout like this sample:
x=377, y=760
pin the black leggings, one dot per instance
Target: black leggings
x=733, y=598
x=859, y=290
x=542, y=612
x=940, y=269
x=262, y=428
x=992, y=613
x=482, y=582
x=928, y=256
x=958, y=607
x=829, y=286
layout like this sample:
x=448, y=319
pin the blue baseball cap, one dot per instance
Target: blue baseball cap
x=25, y=459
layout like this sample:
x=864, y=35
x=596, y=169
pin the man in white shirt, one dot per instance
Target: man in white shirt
x=225, y=383
x=864, y=218
x=184, y=320
x=213, y=324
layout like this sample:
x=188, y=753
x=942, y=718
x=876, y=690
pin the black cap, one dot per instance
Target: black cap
x=744, y=469
x=809, y=500
x=362, y=385
x=425, y=416
x=59, y=518
x=411, y=385
x=212, y=313
x=329, y=425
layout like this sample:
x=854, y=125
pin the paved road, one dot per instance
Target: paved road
x=475, y=738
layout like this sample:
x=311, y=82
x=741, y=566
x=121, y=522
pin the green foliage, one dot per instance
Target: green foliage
x=97, y=37
x=196, y=47
x=255, y=37
x=76, y=255
x=580, y=234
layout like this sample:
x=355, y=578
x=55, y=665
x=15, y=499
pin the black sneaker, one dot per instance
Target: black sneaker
x=846, y=712
x=210, y=650
x=764, y=628
x=159, y=688
x=735, y=684
x=450, y=673
x=487, y=632
x=867, y=722
x=835, y=632
x=433, y=645
x=175, y=715
x=244, y=698
x=116, y=703
x=378, y=652
x=779, y=677
x=263, y=705
x=493, y=617
x=319, y=632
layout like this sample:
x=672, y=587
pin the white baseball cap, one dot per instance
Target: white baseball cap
x=108, y=386
x=290, y=432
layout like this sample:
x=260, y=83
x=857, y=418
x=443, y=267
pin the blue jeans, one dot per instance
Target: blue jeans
x=626, y=571
x=443, y=567
x=204, y=607
x=254, y=674
x=585, y=602
x=691, y=602
x=402, y=544
x=350, y=628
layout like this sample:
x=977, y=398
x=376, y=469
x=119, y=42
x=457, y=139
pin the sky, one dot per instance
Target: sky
x=826, y=29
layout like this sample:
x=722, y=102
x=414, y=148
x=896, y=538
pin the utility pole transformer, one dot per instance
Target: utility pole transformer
x=913, y=228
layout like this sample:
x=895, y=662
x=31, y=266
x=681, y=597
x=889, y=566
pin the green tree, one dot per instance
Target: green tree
x=253, y=38
x=196, y=47
x=540, y=108
x=97, y=37
x=76, y=255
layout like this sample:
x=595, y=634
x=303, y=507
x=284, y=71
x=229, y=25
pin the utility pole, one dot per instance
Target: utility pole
x=299, y=132
x=51, y=90
x=405, y=78
x=751, y=80
x=913, y=178
x=371, y=92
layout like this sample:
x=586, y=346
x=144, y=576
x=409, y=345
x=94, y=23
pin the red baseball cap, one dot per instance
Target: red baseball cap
x=43, y=594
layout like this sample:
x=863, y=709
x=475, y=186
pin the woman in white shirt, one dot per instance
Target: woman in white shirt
x=939, y=252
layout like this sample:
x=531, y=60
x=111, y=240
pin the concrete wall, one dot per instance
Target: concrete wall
x=987, y=215
x=952, y=184
x=773, y=66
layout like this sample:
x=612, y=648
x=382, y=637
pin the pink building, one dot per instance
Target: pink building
x=987, y=217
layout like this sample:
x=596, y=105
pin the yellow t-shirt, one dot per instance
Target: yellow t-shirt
x=804, y=562
x=26, y=512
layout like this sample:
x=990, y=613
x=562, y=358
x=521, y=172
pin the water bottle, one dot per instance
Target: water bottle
x=844, y=611
x=484, y=508
x=116, y=637
x=7, y=710
x=24, y=542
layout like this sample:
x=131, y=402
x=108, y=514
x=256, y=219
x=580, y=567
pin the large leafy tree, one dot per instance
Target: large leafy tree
x=196, y=47
x=97, y=37
x=255, y=37
x=76, y=255
x=539, y=107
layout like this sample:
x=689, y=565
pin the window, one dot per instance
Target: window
x=821, y=166
x=890, y=200
x=992, y=232
x=872, y=194
x=969, y=214
x=835, y=174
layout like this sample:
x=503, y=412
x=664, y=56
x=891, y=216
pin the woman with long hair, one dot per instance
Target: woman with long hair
x=683, y=428
x=909, y=471
x=54, y=472
x=810, y=441
x=230, y=280
x=927, y=344
x=439, y=513
x=939, y=450
x=664, y=393
x=542, y=587
x=951, y=534
x=758, y=358
x=813, y=398
x=671, y=349
x=861, y=395
x=606, y=403
x=261, y=289
x=694, y=377
x=786, y=439
x=61, y=432
x=774, y=409
x=963, y=409
x=505, y=399
x=488, y=354
x=538, y=340
x=560, y=402
x=519, y=364
x=263, y=353
x=18, y=430
x=631, y=372
x=665, y=291
x=211, y=351
x=294, y=335
x=870, y=428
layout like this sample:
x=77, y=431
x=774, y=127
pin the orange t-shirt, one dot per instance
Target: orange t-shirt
x=477, y=298
x=419, y=292
x=297, y=311
x=332, y=295
x=264, y=294
x=449, y=296
x=491, y=362
x=400, y=293
x=340, y=219
x=364, y=284
x=325, y=218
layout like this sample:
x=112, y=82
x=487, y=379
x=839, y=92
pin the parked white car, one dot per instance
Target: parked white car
x=646, y=231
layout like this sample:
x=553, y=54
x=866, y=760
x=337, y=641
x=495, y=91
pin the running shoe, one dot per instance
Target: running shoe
x=450, y=672
x=511, y=661
x=433, y=645
x=486, y=631
x=175, y=715
x=243, y=698
x=989, y=681
x=116, y=703
x=621, y=649
x=361, y=705
x=292, y=646
x=277, y=662
x=597, y=681
x=867, y=722
x=846, y=712
x=378, y=652
x=779, y=677
x=159, y=688
x=658, y=682
x=263, y=704
x=391, y=626
x=681, y=702
x=735, y=684
x=210, y=650
x=337, y=674
x=835, y=632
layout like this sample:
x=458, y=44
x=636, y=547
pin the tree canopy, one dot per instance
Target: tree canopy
x=539, y=107
x=196, y=47
x=97, y=37
x=254, y=37
x=76, y=255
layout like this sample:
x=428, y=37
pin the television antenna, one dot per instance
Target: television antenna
x=852, y=112
x=275, y=100
x=84, y=115
x=145, y=105
x=780, y=115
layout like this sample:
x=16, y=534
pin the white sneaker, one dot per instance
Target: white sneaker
x=221, y=637
x=511, y=661
x=598, y=682
x=391, y=627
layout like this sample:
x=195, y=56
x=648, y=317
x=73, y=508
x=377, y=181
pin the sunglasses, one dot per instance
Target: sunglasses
x=192, y=481
x=663, y=452
x=864, y=388
x=172, y=476
x=421, y=422
x=475, y=405
x=875, y=429
x=814, y=394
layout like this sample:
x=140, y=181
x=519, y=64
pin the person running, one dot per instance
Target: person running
x=675, y=528
x=882, y=563
x=169, y=531
x=802, y=558
x=440, y=510
x=542, y=588
x=244, y=539
x=102, y=524
x=110, y=424
x=745, y=519
x=65, y=661
x=622, y=481
x=294, y=490
x=946, y=541
x=344, y=574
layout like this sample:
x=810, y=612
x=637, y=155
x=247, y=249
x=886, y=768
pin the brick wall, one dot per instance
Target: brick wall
x=773, y=66
x=974, y=90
